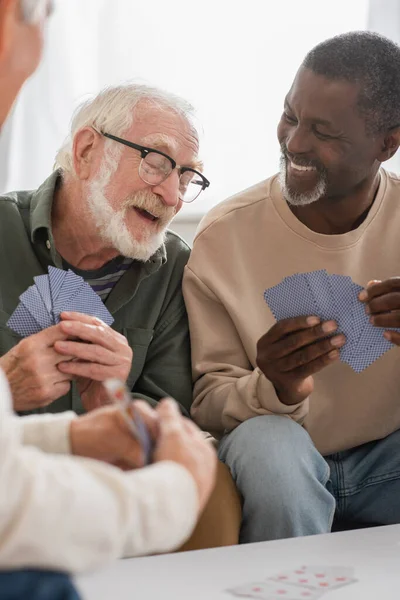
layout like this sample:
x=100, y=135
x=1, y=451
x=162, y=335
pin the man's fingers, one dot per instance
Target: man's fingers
x=379, y=289
x=92, y=329
x=384, y=303
x=45, y=338
x=95, y=334
x=61, y=358
x=309, y=354
x=316, y=365
x=88, y=352
x=170, y=416
x=77, y=316
x=168, y=407
x=301, y=338
x=391, y=319
x=287, y=326
x=393, y=336
x=149, y=415
x=88, y=370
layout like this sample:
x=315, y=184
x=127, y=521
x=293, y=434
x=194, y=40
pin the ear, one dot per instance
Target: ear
x=9, y=13
x=390, y=144
x=87, y=151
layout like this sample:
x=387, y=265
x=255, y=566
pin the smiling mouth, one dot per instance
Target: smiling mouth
x=301, y=167
x=146, y=214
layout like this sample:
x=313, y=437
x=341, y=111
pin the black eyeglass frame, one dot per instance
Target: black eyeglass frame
x=145, y=150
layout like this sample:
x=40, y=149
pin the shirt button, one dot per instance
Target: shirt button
x=48, y=244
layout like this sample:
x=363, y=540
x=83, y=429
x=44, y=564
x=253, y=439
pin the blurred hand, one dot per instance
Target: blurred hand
x=181, y=441
x=295, y=349
x=103, y=434
x=31, y=370
x=382, y=303
x=99, y=353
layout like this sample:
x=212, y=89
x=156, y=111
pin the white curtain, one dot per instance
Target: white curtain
x=233, y=59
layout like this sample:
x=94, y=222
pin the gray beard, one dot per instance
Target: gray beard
x=293, y=197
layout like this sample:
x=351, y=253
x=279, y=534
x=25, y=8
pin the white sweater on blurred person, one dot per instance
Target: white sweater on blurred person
x=72, y=514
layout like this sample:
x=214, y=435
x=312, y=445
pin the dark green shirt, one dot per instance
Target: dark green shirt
x=146, y=303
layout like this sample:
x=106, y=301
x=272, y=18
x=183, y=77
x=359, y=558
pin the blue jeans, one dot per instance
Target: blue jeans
x=288, y=489
x=36, y=585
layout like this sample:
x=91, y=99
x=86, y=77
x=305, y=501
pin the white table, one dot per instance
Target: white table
x=205, y=574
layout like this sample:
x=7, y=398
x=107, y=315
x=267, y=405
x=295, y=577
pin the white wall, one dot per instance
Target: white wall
x=186, y=228
x=233, y=59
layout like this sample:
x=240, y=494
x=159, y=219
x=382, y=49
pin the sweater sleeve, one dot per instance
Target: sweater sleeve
x=228, y=390
x=72, y=514
x=48, y=432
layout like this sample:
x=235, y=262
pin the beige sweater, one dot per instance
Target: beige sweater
x=251, y=242
x=74, y=514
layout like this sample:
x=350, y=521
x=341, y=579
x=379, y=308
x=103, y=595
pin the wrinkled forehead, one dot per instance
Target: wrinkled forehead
x=166, y=130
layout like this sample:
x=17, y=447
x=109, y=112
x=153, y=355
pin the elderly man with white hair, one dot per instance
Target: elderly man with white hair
x=130, y=162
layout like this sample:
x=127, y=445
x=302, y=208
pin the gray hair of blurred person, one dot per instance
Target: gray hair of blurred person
x=35, y=11
x=112, y=111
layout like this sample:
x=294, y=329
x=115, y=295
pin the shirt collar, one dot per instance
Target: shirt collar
x=41, y=204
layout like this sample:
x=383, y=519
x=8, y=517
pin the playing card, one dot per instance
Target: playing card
x=144, y=435
x=22, y=322
x=359, y=316
x=71, y=285
x=56, y=279
x=273, y=590
x=317, y=578
x=372, y=339
x=367, y=341
x=320, y=287
x=42, y=303
x=345, y=292
x=291, y=298
x=364, y=357
x=331, y=297
x=43, y=286
x=32, y=301
x=119, y=393
x=88, y=302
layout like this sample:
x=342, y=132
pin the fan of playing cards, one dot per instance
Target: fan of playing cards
x=331, y=297
x=303, y=583
x=42, y=303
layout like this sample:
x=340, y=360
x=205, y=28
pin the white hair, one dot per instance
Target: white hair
x=111, y=222
x=34, y=11
x=112, y=110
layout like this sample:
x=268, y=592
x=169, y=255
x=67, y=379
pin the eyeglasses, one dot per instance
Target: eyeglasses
x=155, y=167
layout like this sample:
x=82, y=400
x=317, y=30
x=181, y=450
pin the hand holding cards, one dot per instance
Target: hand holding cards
x=293, y=350
x=81, y=346
x=119, y=393
x=331, y=297
x=103, y=434
x=41, y=304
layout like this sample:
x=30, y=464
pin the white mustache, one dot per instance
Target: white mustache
x=152, y=204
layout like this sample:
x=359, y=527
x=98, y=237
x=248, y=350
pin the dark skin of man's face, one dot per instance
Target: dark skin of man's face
x=322, y=126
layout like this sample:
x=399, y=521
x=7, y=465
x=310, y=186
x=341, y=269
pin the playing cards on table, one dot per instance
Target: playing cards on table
x=303, y=583
x=331, y=297
x=42, y=303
